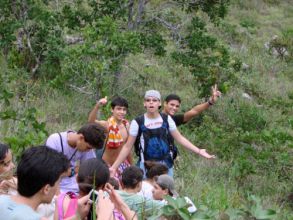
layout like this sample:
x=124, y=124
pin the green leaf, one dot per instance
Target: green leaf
x=265, y=214
x=183, y=212
x=171, y=201
x=200, y=216
x=181, y=202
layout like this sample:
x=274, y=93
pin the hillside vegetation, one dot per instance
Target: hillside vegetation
x=246, y=47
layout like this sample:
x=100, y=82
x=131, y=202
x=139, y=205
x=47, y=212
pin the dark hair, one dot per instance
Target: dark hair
x=114, y=182
x=39, y=166
x=155, y=169
x=132, y=176
x=171, y=97
x=4, y=148
x=119, y=101
x=93, y=173
x=94, y=134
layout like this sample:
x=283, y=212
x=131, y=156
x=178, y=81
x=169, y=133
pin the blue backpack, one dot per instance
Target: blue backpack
x=158, y=145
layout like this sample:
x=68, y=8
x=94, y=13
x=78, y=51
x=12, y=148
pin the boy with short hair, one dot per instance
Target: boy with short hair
x=131, y=185
x=163, y=186
x=157, y=129
x=117, y=131
x=172, y=104
x=39, y=172
x=77, y=147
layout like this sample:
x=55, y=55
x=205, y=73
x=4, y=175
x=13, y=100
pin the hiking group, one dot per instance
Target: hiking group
x=56, y=181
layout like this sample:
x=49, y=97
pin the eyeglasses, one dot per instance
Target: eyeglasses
x=151, y=100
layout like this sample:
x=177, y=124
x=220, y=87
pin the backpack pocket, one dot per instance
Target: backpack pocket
x=156, y=148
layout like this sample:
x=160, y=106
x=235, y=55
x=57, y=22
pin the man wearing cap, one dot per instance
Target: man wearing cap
x=172, y=104
x=152, y=120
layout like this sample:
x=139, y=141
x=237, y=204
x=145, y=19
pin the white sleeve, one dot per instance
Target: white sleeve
x=133, y=129
x=172, y=125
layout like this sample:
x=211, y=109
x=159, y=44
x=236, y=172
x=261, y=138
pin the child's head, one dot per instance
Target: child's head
x=92, y=136
x=39, y=171
x=6, y=163
x=93, y=173
x=132, y=177
x=114, y=182
x=163, y=186
x=154, y=169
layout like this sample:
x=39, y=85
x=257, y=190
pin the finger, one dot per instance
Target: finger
x=84, y=199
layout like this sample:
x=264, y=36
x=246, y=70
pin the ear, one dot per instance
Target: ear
x=46, y=189
x=139, y=186
x=80, y=137
x=166, y=191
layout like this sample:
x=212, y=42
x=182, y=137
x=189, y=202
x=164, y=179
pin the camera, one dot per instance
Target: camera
x=94, y=195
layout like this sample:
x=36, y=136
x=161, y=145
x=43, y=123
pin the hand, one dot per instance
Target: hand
x=5, y=185
x=119, y=203
x=215, y=94
x=112, y=171
x=104, y=207
x=204, y=153
x=114, y=197
x=83, y=206
x=102, y=101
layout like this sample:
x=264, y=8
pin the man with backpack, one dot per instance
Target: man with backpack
x=151, y=132
x=172, y=104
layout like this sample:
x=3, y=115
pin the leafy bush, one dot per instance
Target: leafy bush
x=26, y=128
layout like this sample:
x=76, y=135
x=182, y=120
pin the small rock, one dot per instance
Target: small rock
x=245, y=95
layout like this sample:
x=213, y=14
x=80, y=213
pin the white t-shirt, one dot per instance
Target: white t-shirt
x=146, y=190
x=150, y=123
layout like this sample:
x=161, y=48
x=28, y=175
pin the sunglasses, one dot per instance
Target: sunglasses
x=151, y=100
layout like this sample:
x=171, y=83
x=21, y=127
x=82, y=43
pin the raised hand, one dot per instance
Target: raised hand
x=84, y=205
x=105, y=207
x=102, y=101
x=215, y=94
x=112, y=172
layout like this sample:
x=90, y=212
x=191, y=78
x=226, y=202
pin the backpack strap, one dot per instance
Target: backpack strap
x=173, y=148
x=62, y=147
x=138, y=148
x=61, y=142
x=165, y=120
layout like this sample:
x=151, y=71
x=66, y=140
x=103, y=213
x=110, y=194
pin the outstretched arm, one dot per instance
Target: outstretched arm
x=196, y=110
x=188, y=145
x=93, y=113
x=123, y=154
